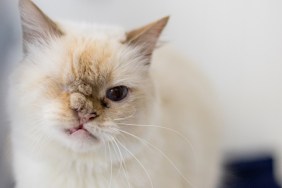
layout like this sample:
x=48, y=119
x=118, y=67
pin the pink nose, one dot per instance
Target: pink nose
x=84, y=118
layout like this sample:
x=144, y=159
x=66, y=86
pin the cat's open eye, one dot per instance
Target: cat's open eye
x=117, y=93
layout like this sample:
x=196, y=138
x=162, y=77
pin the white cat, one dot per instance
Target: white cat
x=92, y=108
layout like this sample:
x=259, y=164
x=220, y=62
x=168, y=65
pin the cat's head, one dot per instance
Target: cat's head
x=76, y=83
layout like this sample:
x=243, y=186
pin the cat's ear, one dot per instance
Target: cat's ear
x=146, y=37
x=36, y=26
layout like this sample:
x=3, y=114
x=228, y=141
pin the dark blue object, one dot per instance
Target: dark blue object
x=251, y=173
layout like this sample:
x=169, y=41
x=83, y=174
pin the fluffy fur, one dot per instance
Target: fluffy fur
x=160, y=135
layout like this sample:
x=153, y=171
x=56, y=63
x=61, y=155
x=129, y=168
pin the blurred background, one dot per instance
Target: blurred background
x=236, y=43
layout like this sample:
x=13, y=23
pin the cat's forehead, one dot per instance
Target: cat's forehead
x=90, y=60
x=93, y=45
x=98, y=58
x=94, y=31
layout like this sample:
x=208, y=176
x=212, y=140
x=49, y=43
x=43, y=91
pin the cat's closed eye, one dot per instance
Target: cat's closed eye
x=117, y=93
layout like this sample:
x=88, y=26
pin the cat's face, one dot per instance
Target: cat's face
x=75, y=87
x=92, y=86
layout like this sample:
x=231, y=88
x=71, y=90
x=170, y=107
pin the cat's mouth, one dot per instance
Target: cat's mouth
x=80, y=131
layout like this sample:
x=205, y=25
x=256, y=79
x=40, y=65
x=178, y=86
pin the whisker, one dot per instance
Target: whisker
x=161, y=152
x=111, y=177
x=115, y=152
x=122, y=163
x=138, y=161
x=105, y=151
x=127, y=117
x=193, y=150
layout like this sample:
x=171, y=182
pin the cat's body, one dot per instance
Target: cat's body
x=66, y=133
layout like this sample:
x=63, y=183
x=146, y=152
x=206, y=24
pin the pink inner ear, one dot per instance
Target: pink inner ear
x=147, y=36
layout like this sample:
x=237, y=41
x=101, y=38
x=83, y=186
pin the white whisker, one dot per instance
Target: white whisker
x=161, y=152
x=127, y=117
x=111, y=176
x=193, y=150
x=115, y=152
x=122, y=163
x=138, y=161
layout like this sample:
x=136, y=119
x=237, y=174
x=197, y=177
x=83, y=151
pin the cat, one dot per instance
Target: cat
x=93, y=107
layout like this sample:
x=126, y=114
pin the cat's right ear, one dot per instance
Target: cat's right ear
x=36, y=26
x=146, y=37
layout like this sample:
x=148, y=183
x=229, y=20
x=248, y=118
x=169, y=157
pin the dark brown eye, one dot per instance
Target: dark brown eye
x=117, y=93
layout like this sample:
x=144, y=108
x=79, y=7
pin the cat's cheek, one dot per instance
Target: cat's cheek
x=54, y=117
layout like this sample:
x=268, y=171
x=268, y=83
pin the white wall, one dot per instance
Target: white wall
x=238, y=43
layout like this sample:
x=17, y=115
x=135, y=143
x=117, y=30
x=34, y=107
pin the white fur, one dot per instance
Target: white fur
x=182, y=102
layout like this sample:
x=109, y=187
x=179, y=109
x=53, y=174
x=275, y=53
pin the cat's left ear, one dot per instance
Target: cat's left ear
x=147, y=36
x=36, y=26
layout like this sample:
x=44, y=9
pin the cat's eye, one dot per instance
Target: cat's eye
x=117, y=93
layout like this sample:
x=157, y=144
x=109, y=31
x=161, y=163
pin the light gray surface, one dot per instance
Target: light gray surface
x=8, y=37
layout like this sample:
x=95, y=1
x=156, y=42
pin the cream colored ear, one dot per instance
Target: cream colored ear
x=147, y=36
x=36, y=26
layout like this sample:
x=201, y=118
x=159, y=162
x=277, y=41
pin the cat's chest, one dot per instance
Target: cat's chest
x=81, y=177
x=31, y=174
x=72, y=179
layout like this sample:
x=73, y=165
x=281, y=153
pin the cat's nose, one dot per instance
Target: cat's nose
x=84, y=118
